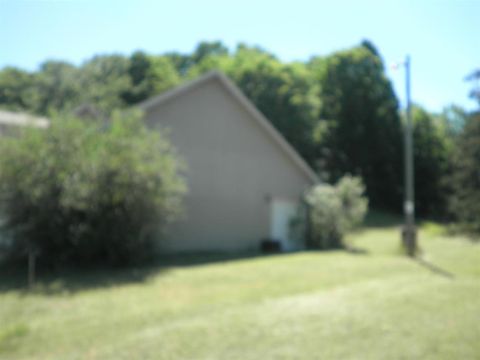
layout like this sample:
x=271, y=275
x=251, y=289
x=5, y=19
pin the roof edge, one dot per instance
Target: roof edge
x=13, y=118
x=182, y=88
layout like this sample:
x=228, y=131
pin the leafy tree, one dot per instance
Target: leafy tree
x=359, y=131
x=59, y=86
x=56, y=87
x=367, y=44
x=89, y=192
x=474, y=76
x=181, y=62
x=432, y=161
x=339, y=111
x=16, y=89
x=139, y=65
x=465, y=179
x=103, y=79
x=453, y=119
x=205, y=49
x=150, y=75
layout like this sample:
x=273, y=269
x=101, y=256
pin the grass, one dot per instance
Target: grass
x=370, y=304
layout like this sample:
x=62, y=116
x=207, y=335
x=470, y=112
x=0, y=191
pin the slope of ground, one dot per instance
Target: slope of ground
x=371, y=303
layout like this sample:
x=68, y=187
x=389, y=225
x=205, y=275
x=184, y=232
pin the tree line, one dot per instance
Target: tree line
x=339, y=112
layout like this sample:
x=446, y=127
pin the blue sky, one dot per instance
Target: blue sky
x=441, y=36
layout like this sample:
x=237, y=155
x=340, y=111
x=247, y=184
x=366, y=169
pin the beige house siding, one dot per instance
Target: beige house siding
x=235, y=168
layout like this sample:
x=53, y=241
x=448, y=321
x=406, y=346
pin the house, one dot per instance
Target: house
x=245, y=181
x=14, y=120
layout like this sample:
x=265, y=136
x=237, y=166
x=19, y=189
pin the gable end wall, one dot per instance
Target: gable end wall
x=234, y=170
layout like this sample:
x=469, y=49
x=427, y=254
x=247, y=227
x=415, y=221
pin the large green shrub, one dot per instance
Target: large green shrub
x=89, y=191
x=334, y=210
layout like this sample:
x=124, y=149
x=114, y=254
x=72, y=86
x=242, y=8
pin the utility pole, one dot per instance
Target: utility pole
x=409, y=234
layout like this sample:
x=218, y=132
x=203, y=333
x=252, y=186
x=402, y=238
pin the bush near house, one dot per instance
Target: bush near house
x=334, y=210
x=88, y=191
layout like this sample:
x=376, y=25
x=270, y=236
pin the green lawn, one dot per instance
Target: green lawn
x=368, y=304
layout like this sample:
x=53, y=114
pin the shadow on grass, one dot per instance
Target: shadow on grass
x=434, y=268
x=69, y=281
x=197, y=259
x=380, y=219
x=354, y=250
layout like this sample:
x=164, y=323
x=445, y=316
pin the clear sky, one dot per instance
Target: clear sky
x=441, y=36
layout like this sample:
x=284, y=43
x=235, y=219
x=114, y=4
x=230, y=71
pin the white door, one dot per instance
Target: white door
x=282, y=212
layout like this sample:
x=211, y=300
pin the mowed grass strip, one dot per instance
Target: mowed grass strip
x=369, y=304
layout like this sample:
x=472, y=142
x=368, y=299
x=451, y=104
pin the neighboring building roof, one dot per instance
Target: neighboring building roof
x=88, y=111
x=22, y=119
x=246, y=104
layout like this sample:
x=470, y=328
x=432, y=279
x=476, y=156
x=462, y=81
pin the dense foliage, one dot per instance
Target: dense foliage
x=88, y=192
x=338, y=111
x=475, y=77
x=360, y=129
x=334, y=210
x=149, y=75
x=465, y=179
x=433, y=149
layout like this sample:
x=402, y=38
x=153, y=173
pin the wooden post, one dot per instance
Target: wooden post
x=31, y=268
x=308, y=227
